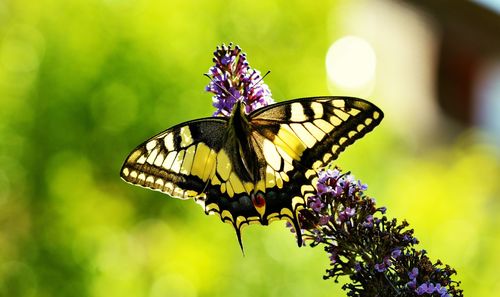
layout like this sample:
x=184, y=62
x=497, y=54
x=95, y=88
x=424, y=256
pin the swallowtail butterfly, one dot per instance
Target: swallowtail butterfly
x=253, y=168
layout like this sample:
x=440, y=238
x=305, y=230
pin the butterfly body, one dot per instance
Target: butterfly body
x=252, y=168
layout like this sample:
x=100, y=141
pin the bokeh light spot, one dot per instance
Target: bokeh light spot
x=350, y=62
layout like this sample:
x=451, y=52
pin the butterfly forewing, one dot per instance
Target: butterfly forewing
x=178, y=161
x=313, y=131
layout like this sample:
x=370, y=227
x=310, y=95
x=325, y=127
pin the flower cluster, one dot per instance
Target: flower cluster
x=362, y=243
x=232, y=79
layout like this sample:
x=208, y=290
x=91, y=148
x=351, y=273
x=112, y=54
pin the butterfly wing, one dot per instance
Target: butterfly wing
x=178, y=161
x=296, y=138
x=314, y=131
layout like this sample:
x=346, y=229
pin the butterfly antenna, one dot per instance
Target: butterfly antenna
x=220, y=86
x=261, y=79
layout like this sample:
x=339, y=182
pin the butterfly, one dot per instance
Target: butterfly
x=252, y=168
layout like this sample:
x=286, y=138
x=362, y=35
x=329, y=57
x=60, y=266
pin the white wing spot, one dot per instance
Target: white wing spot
x=167, y=164
x=151, y=145
x=159, y=159
x=341, y=114
x=297, y=112
x=315, y=131
x=176, y=166
x=169, y=141
x=338, y=103
x=318, y=109
x=323, y=125
x=141, y=177
x=152, y=156
x=141, y=160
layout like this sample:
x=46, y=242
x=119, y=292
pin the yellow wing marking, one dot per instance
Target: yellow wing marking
x=287, y=140
x=303, y=134
x=188, y=160
x=200, y=160
x=186, y=138
x=223, y=165
x=271, y=155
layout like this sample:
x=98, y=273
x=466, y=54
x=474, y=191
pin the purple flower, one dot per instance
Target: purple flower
x=421, y=290
x=324, y=219
x=357, y=267
x=325, y=175
x=368, y=221
x=413, y=273
x=442, y=291
x=329, y=182
x=233, y=79
x=428, y=288
x=387, y=261
x=316, y=204
x=396, y=253
x=361, y=186
x=346, y=214
x=333, y=255
x=412, y=284
x=323, y=189
x=380, y=267
x=317, y=235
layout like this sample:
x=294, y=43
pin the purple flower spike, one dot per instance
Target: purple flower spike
x=233, y=79
x=355, y=232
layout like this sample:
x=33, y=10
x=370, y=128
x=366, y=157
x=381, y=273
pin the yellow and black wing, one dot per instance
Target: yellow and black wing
x=178, y=161
x=289, y=142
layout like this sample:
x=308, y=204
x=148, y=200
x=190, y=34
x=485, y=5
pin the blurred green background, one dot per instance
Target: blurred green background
x=82, y=82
